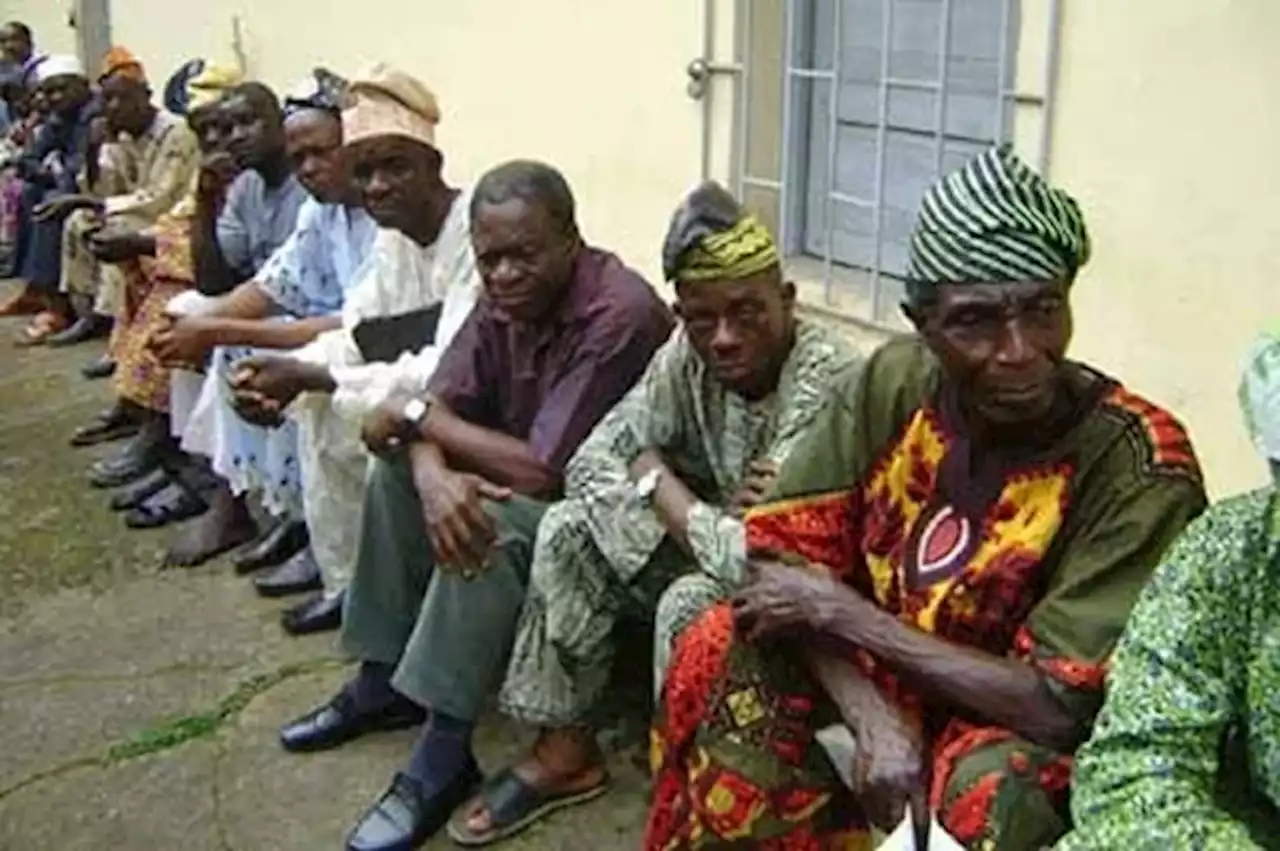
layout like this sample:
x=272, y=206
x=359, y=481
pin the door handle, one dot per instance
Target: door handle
x=701, y=70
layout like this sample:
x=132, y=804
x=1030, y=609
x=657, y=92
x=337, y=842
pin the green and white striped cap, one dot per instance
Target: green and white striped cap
x=995, y=220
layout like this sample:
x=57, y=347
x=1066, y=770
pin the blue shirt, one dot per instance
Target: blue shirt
x=310, y=273
x=257, y=219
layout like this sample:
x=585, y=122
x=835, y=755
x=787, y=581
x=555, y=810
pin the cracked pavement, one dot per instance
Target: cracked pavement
x=100, y=649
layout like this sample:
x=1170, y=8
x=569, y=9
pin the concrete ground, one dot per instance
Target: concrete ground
x=139, y=706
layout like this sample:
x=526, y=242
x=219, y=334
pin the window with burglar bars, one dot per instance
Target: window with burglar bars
x=848, y=110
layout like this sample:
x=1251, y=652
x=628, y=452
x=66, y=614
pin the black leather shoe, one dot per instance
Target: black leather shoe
x=402, y=819
x=338, y=722
x=140, y=491
x=140, y=457
x=280, y=543
x=103, y=367
x=320, y=613
x=298, y=575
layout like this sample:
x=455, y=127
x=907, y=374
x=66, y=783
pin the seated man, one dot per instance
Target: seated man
x=258, y=217
x=562, y=332
x=156, y=265
x=151, y=166
x=306, y=278
x=943, y=564
x=1186, y=748
x=421, y=268
x=656, y=491
x=49, y=168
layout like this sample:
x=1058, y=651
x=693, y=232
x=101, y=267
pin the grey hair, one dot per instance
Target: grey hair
x=532, y=182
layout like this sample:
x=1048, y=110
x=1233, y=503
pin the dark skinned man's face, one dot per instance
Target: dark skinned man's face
x=211, y=128
x=126, y=104
x=257, y=135
x=1002, y=344
x=14, y=46
x=742, y=329
x=398, y=180
x=313, y=142
x=65, y=94
x=524, y=256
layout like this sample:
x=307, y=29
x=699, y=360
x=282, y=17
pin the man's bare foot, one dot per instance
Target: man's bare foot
x=564, y=765
x=226, y=525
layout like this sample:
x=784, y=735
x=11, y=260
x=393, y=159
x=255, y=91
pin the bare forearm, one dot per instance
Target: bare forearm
x=860, y=703
x=498, y=457
x=268, y=334
x=213, y=274
x=994, y=690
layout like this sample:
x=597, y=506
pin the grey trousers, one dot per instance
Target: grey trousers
x=448, y=637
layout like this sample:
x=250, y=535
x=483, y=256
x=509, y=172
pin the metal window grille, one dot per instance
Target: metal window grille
x=844, y=96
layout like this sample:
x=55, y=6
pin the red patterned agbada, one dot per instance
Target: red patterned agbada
x=1036, y=553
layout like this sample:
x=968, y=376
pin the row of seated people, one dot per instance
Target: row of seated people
x=876, y=585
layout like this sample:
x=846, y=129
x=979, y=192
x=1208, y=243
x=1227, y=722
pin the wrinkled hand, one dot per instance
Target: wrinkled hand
x=385, y=429
x=781, y=598
x=118, y=247
x=760, y=477
x=453, y=507
x=889, y=769
x=182, y=341
x=61, y=207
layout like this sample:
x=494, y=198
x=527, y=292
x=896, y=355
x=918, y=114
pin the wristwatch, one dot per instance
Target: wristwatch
x=647, y=485
x=413, y=416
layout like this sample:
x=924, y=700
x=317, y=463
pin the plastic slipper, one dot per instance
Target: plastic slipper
x=514, y=806
x=171, y=505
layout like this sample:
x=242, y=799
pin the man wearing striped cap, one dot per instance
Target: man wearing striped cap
x=941, y=569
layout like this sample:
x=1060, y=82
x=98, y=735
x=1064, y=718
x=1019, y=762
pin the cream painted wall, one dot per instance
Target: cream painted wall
x=596, y=87
x=1167, y=131
x=47, y=18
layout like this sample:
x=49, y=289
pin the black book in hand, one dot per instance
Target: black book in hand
x=382, y=339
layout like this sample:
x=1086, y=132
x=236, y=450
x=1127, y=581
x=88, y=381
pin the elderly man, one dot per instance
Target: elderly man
x=308, y=278
x=943, y=564
x=49, y=169
x=656, y=492
x=418, y=287
x=450, y=513
x=129, y=185
x=258, y=217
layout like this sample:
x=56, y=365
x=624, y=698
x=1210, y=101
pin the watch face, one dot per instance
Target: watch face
x=414, y=410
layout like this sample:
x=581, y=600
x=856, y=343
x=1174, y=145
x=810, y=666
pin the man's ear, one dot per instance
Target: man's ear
x=916, y=315
x=788, y=295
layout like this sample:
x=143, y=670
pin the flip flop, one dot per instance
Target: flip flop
x=171, y=505
x=44, y=326
x=514, y=806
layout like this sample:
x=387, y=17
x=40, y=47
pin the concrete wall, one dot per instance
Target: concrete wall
x=1165, y=128
x=1168, y=133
